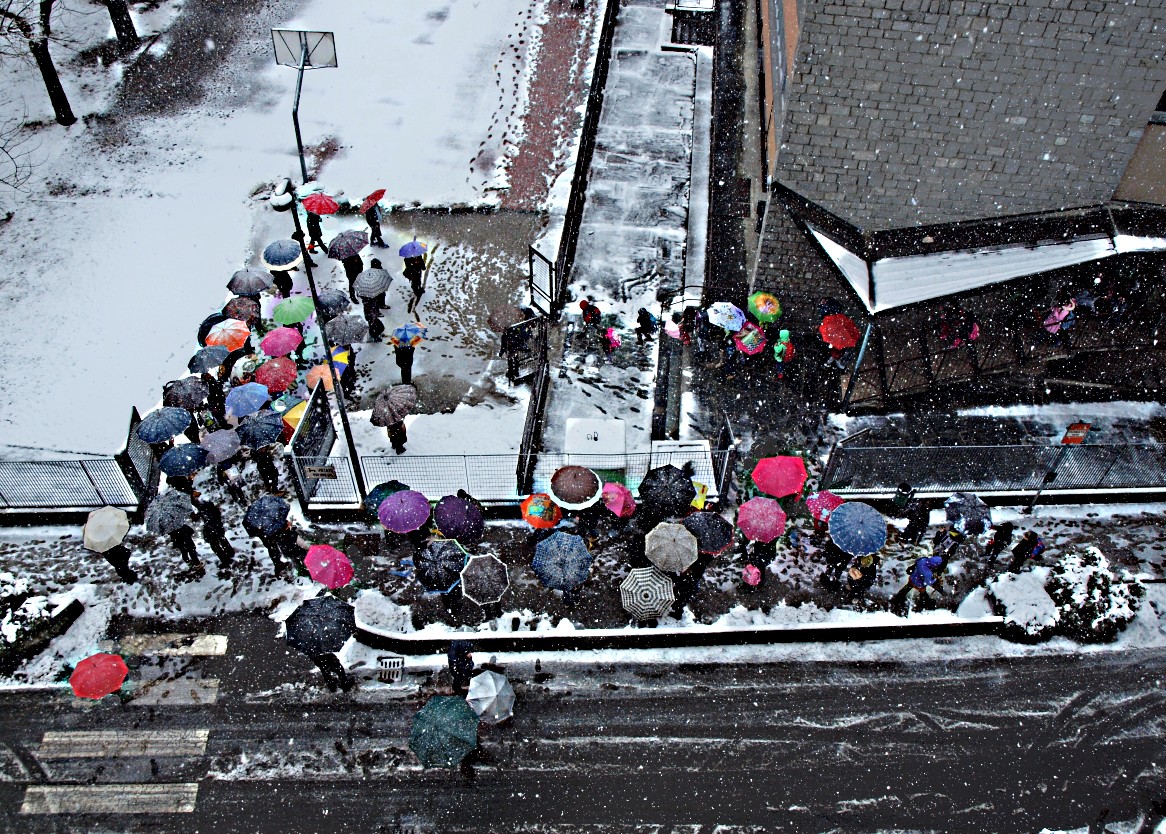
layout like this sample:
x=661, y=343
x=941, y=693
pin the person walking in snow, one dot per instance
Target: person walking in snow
x=315, y=233
x=403, y=354
x=645, y=326
x=783, y=353
x=118, y=557
x=1029, y=547
x=924, y=575
x=917, y=518
x=1000, y=539
x=415, y=271
x=335, y=675
x=460, y=659
x=372, y=315
x=353, y=266
x=214, y=533
x=611, y=341
x=373, y=218
x=591, y=317
x=282, y=280
x=183, y=539
x=398, y=436
x=265, y=462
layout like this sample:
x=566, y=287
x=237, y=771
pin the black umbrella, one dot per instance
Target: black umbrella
x=168, y=512
x=332, y=302
x=484, y=579
x=321, y=625
x=207, y=359
x=249, y=282
x=714, y=534
x=207, y=323
x=189, y=392
x=346, y=244
x=261, y=429
x=439, y=566
x=346, y=330
x=183, y=461
x=667, y=491
x=266, y=516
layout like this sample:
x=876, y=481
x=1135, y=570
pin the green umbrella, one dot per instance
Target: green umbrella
x=445, y=731
x=293, y=310
x=765, y=307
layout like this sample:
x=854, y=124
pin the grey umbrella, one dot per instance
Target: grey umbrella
x=249, y=282
x=168, y=512
x=372, y=282
x=189, y=392
x=394, y=405
x=346, y=330
x=670, y=547
x=332, y=303
x=220, y=445
x=484, y=579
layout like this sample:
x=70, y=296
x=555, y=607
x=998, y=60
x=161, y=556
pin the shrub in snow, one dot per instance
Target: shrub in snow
x=20, y=611
x=1029, y=613
x=1095, y=601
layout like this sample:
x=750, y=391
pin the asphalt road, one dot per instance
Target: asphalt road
x=981, y=746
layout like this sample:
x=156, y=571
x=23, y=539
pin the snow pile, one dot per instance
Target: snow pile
x=378, y=611
x=21, y=611
x=1029, y=612
x=1095, y=600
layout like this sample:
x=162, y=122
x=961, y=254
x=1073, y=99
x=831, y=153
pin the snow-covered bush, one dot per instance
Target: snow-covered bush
x=1029, y=613
x=1095, y=600
x=20, y=611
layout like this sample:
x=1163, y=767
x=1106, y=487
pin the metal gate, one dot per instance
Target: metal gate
x=320, y=478
x=544, y=290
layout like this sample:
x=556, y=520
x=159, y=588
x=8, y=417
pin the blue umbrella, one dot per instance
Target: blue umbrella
x=406, y=333
x=562, y=561
x=260, y=429
x=858, y=529
x=207, y=359
x=161, y=425
x=282, y=255
x=412, y=249
x=266, y=516
x=183, y=460
x=247, y=399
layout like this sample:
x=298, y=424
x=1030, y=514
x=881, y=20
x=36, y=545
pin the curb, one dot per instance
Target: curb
x=669, y=638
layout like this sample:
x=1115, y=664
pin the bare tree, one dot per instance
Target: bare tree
x=123, y=24
x=16, y=147
x=28, y=22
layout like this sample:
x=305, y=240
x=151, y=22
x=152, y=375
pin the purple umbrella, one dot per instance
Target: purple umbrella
x=459, y=519
x=404, y=512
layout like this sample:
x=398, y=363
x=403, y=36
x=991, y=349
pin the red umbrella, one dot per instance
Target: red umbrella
x=371, y=200
x=783, y=475
x=281, y=341
x=540, y=511
x=98, y=675
x=839, y=331
x=821, y=504
x=230, y=333
x=761, y=519
x=320, y=204
x=276, y=374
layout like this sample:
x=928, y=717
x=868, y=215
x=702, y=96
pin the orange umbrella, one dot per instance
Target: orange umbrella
x=231, y=334
x=320, y=373
x=540, y=511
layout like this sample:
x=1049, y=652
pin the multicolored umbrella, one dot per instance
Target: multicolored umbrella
x=320, y=204
x=221, y=445
x=346, y=244
x=714, y=533
x=168, y=511
x=260, y=429
x=266, y=515
x=647, y=593
x=163, y=424
x=457, y=518
x=444, y=732
x=780, y=476
x=98, y=675
x=618, y=499
x=250, y=281
x=439, y=566
x=105, y=529
x=320, y=626
x=244, y=309
x=328, y=566
x=491, y=696
x=371, y=200
x=246, y=399
x=183, y=461
x=726, y=315
x=190, y=392
x=293, y=310
x=207, y=359
x=839, y=331
x=485, y=579
x=562, y=561
x=750, y=339
x=394, y=405
x=666, y=490
x=404, y=511
x=858, y=529
x=670, y=547
x=413, y=249
x=540, y=511
x=292, y=417
x=822, y=503
x=282, y=255
x=765, y=307
x=575, y=487
x=409, y=334
x=281, y=341
x=761, y=519
x=230, y=333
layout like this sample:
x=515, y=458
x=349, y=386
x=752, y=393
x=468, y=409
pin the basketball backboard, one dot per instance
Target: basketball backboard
x=290, y=48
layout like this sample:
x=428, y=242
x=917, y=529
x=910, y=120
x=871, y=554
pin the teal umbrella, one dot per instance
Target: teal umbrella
x=445, y=731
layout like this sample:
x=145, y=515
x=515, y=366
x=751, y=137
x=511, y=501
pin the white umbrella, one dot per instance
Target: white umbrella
x=726, y=315
x=105, y=529
x=491, y=696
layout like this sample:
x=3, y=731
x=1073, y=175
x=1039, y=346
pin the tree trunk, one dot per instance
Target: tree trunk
x=44, y=62
x=123, y=24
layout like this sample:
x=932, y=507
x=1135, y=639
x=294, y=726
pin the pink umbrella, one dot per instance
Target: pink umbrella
x=752, y=575
x=761, y=519
x=618, y=499
x=821, y=504
x=749, y=339
x=781, y=475
x=277, y=374
x=328, y=566
x=281, y=341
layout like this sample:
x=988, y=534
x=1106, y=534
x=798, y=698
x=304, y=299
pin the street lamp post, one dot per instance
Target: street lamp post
x=303, y=50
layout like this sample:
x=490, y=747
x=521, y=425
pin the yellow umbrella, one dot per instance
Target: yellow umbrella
x=702, y=494
x=295, y=414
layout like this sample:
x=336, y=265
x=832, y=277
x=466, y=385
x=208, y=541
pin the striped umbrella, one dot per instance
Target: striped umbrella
x=647, y=593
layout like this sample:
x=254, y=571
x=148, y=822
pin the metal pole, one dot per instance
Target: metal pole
x=1050, y=476
x=336, y=389
x=857, y=363
x=296, y=118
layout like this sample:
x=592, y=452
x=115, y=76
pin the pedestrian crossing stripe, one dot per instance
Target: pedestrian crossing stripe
x=173, y=645
x=79, y=744
x=178, y=798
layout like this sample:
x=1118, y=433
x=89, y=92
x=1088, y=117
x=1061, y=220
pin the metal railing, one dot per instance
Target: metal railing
x=85, y=483
x=878, y=469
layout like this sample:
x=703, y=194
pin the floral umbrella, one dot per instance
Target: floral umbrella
x=540, y=511
x=618, y=499
x=750, y=339
x=765, y=307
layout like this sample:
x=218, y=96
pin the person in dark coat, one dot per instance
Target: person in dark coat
x=837, y=560
x=404, y=356
x=379, y=298
x=285, y=549
x=118, y=557
x=265, y=462
x=924, y=575
x=298, y=237
x=917, y=518
x=514, y=342
x=183, y=539
x=398, y=436
x=861, y=576
x=460, y=658
x=1029, y=547
x=214, y=533
x=216, y=400
x=315, y=233
x=904, y=492
x=283, y=281
x=946, y=542
x=372, y=315
x=335, y=675
x=415, y=271
x=645, y=326
x=1001, y=538
x=373, y=218
x=353, y=266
